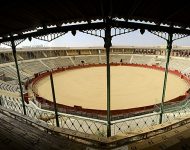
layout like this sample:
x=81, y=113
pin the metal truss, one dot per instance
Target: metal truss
x=17, y=42
x=163, y=35
x=97, y=28
x=97, y=32
x=179, y=36
x=115, y=31
x=50, y=37
x=119, y=31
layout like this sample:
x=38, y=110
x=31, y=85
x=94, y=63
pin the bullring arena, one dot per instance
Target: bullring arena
x=131, y=87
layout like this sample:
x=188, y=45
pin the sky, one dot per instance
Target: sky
x=85, y=40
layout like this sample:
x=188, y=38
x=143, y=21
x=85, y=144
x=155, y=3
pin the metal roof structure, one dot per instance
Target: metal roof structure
x=18, y=17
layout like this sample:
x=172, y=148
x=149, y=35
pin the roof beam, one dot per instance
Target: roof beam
x=99, y=25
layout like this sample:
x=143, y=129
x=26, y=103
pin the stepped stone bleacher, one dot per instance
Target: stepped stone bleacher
x=179, y=64
x=29, y=68
x=117, y=58
x=103, y=59
x=11, y=72
x=32, y=67
x=64, y=62
x=141, y=59
x=8, y=87
x=51, y=63
x=15, y=100
x=86, y=59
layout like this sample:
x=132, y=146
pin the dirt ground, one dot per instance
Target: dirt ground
x=130, y=87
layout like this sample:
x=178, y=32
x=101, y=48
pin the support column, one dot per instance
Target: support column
x=0, y=100
x=168, y=52
x=18, y=75
x=107, y=45
x=54, y=99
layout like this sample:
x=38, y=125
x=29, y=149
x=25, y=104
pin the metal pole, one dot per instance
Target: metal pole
x=54, y=99
x=107, y=45
x=168, y=51
x=18, y=75
x=0, y=100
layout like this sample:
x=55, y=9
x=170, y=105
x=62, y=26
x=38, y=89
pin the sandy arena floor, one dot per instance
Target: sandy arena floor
x=130, y=87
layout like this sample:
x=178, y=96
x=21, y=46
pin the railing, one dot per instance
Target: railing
x=177, y=112
x=171, y=113
x=81, y=124
x=127, y=126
